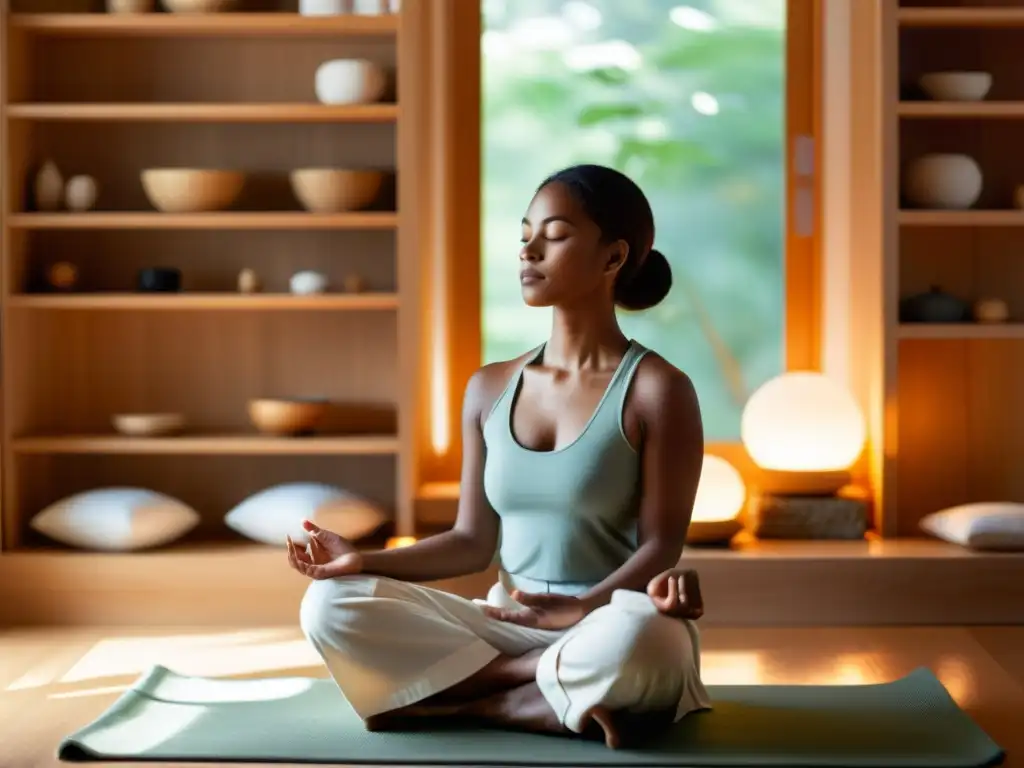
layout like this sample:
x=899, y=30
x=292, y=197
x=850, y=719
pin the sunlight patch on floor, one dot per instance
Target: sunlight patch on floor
x=108, y=690
x=112, y=664
x=256, y=652
x=959, y=679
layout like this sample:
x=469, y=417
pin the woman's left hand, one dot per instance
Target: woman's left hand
x=541, y=611
x=676, y=593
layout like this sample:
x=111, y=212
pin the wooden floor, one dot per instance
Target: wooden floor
x=53, y=681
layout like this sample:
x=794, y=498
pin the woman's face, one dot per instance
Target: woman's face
x=563, y=260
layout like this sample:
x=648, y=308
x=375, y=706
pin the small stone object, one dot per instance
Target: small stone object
x=248, y=281
x=991, y=311
x=307, y=283
x=63, y=275
x=807, y=517
x=48, y=187
x=355, y=284
x=80, y=193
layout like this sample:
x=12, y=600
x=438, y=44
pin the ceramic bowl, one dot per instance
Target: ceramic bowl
x=191, y=190
x=148, y=424
x=199, y=6
x=956, y=86
x=287, y=417
x=331, y=190
x=129, y=6
x=349, y=81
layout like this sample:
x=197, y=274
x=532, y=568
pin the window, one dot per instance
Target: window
x=704, y=103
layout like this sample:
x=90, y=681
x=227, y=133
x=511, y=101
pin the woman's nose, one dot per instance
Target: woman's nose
x=529, y=254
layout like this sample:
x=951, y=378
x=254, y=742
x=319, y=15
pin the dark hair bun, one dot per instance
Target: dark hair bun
x=646, y=287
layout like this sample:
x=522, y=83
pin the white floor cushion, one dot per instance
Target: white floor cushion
x=984, y=525
x=116, y=519
x=272, y=515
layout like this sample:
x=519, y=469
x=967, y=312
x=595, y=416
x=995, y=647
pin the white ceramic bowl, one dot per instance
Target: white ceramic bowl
x=191, y=190
x=375, y=7
x=148, y=424
x=349, y=81
x=332, y=190
x=956, y=86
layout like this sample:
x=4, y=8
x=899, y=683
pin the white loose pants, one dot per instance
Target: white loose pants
x=388, y=644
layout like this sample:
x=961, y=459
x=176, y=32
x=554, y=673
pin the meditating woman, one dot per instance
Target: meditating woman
x=580, y=466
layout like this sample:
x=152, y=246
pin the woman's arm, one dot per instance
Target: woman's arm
x=469, y=547
x=665, y=405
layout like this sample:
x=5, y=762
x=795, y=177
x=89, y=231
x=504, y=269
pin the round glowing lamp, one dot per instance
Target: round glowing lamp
x=804, y=432
x=720, y=498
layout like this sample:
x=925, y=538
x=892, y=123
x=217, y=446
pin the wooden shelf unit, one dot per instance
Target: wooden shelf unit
x=109, y=95
x=957, y=417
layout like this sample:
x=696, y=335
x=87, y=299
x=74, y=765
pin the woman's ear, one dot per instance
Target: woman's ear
x=617, y=255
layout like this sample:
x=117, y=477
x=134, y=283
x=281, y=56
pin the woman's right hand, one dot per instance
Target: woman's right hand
x=327, y=556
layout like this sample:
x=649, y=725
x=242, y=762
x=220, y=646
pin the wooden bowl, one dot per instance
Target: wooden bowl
x=129, y=6
x=287, y=418
x=332, y=190
x=199, y=6
x=191, y=190
x=148, y=424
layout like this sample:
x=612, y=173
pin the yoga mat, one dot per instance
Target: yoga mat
x=164, y=716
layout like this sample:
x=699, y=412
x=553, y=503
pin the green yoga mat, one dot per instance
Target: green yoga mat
x=164, y=716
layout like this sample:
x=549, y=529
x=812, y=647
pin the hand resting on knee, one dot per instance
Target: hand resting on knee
x=676, y=593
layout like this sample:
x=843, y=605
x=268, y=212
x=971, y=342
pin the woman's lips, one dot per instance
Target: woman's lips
x=528, y=276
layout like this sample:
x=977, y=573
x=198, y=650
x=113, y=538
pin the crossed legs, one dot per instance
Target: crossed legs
x=401, y=652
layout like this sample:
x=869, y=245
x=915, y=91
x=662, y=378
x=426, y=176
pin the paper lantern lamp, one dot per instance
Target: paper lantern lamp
x=804, y=431
x=720, y=498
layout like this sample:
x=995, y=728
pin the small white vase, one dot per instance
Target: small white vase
x=48, y=187
x=80, y=193
x=324, y=7
x=943, y=181
x=349, y=81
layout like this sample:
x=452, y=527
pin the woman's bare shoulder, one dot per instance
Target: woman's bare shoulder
x=659, y=387
x=489, y=381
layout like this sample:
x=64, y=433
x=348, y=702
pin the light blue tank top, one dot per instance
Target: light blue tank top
x=568, y=516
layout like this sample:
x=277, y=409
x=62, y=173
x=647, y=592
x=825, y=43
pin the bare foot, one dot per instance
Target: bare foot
x=502, y=674
x=606, y=722
x=525, y=708
x=521, y=708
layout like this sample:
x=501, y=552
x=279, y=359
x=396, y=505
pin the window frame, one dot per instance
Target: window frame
x=452, y=31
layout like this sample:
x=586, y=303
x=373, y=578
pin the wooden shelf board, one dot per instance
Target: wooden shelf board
x=213, y=24
x=969, y=218
x=787, y=583
x=961, y=17
x=961, y=331
x=744, y=546
x=226, y=445
x=961, y=109
x=207, y=113
x=351, y=302
x=221, y=220
x=889, y=549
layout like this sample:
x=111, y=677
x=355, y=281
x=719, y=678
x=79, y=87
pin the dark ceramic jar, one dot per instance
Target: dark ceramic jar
x=935, y=306
x=159, y=280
